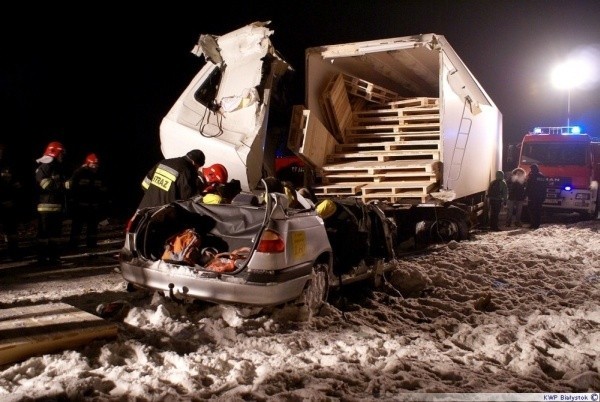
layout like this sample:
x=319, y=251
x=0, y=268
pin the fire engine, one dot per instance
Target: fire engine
x=570, y=160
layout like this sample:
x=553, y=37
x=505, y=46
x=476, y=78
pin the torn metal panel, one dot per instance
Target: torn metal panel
x=224, y=110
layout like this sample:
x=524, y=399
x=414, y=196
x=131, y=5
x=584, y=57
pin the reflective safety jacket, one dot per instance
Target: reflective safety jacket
x=169, y=180
x=51, y=187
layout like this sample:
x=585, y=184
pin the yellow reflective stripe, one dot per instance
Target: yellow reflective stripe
x=146, y=183
x=49, y=207
x=164, y=177
x=68, y=184
x=166, y=172
x=44, y=183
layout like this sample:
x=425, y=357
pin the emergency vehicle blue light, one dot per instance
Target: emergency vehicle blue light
x=537, y=130
x=567, y=187
x=575, y=130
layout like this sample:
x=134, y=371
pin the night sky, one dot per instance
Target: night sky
x=100, y=77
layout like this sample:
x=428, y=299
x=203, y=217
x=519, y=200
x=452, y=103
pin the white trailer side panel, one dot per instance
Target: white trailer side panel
x=472, y=132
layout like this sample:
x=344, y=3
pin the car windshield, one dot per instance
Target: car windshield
x=558, y=154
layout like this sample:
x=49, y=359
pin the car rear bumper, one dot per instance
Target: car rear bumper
x=184, y=281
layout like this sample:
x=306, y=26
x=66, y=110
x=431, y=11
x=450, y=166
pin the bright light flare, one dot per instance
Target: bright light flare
x=579, y=71
x=570, y=74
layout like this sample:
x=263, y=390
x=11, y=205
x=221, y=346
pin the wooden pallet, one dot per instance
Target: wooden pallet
x=308, y=138
x=384, y=156
x=406, y=198
x=394, y=128
x=403, y=112
x=409, y=102
x=389, y=146
x=339, y=189
x=334, y=100
x=412, y=170
x=391, y=136
x=395, y=120
x=34, y=330
x=369, y=91
x=340, y=178
x=414, y=165
x=388, y=150
x=395, y=191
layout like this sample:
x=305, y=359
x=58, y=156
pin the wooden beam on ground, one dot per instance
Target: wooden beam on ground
x=35, y=330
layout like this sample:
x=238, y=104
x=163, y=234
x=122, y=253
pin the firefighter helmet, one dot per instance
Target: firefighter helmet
x=216, y=173
x=91, y=159
x=54, y=149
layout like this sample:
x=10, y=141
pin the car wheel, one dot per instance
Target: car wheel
x=316, y=290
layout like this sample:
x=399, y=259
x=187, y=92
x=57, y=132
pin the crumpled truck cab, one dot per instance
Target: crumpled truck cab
x=225, y=109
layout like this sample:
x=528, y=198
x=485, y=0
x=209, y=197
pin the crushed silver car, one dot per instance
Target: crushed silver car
x=287, y=253
x=266, y=254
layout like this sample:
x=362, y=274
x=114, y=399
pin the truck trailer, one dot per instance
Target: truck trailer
x=401, y=122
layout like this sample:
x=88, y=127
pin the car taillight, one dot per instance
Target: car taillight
x=270, y=242
x=129, y=224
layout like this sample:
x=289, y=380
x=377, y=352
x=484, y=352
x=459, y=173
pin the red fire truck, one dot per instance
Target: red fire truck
x=571, y=162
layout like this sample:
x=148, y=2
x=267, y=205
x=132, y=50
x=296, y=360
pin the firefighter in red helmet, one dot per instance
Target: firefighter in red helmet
x=212, y=180
x=50, y=178
x=88, y=197
x=212, y=177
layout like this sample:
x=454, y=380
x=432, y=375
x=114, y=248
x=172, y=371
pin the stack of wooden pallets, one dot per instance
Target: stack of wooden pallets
x=388, y=147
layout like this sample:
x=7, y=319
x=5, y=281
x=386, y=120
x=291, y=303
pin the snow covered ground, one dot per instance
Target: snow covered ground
x=510, y=311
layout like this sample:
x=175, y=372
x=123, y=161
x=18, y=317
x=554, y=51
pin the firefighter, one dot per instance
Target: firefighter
x=497, y=195
x=212, y=177
x=50, y=179
x=211, y=183
x=535, y=190
x=88, y=195
x=516, y=196
x=348, y=241
x=10, y=191
x=172, y=179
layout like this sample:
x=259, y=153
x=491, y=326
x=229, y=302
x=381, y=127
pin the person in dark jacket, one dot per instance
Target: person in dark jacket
x=497, y=194
x=50, y=178
x=535, y=191
x=10, y=194
x=348, y=242
x=89, y=196
x=172, y=179
x=516, y=197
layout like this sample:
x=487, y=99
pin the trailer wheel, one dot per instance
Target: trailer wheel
x=447, y=225
x=316, y=290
